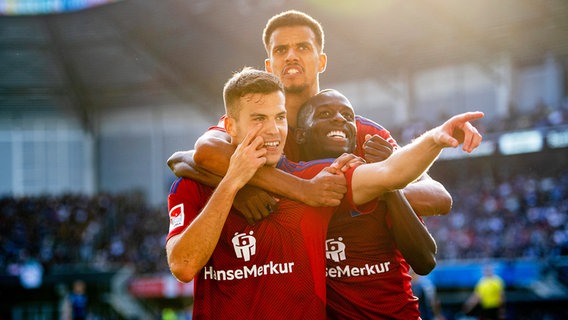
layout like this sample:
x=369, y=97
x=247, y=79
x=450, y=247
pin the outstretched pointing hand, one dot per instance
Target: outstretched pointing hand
x=458, y=130
x=247, y=158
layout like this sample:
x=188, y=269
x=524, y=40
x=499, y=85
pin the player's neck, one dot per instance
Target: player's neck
x=294, y=101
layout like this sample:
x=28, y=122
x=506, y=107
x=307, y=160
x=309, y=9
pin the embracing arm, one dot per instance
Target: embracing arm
x=212, y=151
x=412, y=238
x=187, y=169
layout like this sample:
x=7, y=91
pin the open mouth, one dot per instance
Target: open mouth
x=337, y=134
x=292, y=70
x=271, y=145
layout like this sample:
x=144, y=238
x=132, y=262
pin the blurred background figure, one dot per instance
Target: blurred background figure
x=76, y=304
x=428, y=301
x=489, y=294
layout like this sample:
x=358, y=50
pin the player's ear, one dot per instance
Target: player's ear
x=322, y=62
x=300, y=135
x=267, y=65
x=230, y=126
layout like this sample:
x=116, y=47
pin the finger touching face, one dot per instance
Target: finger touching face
x=267, y=111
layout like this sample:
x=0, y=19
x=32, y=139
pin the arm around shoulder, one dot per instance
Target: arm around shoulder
x=213, y=151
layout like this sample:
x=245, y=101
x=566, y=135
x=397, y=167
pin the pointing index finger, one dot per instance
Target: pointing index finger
x=251, y=135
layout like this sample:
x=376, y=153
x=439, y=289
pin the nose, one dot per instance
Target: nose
x=270, y=127
x=339, y=117
x=291, y=55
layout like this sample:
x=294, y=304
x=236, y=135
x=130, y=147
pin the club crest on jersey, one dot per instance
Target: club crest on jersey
x=335, y=249
x=176, y=216
x=244, y=245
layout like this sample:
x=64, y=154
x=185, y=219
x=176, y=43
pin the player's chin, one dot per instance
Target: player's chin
x=272, y=159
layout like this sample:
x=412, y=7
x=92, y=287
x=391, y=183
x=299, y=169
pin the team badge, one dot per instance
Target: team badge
x=244, y=245
x=335, y=249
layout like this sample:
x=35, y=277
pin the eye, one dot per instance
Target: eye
x=281, y=117
x=304, y=47
x=348, y=116
x=280, y=49
x=324, y=114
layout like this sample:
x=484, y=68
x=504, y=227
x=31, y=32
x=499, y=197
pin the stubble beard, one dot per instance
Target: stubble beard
x=296, y=89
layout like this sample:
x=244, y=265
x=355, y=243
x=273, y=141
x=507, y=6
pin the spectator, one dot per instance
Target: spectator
x=76, y=304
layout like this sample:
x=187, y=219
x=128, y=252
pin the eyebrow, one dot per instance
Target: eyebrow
x=304, y=43
x=256, y=114
x=286, y=45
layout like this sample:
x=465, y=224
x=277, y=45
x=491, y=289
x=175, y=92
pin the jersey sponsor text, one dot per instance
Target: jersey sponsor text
x=350, y=271
x=246, y=272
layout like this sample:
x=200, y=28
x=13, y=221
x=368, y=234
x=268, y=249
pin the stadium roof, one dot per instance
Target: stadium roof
x=156, y=51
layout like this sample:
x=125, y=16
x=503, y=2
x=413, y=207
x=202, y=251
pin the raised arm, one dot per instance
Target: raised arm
x=427, y=196
x=412, y=238
x=413, y=160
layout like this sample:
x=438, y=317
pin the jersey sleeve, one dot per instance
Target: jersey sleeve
x=220, y=126
x=185, y=201
x=348, y=200
x=366, y=126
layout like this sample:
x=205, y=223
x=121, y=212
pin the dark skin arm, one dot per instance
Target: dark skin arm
x=411, y=236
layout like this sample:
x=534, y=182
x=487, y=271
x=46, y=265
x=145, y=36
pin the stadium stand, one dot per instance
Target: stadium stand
x=88, y=86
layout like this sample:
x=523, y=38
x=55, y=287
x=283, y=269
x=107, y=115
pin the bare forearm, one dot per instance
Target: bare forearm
x=412, y=238
x=213, y=151
x=326, y=189
x=280, y=183
x=179, y=163
x=428, y=197
x=212, y=155
x=190, y=252
x=188, y=169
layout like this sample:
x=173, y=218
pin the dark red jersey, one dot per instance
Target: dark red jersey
x=272, y=270
x=367, y=277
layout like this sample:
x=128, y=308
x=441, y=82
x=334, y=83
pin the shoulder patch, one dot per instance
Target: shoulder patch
x=176, y=216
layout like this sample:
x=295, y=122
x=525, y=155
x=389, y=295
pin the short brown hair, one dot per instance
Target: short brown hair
x=246, y=81
x=292, y=18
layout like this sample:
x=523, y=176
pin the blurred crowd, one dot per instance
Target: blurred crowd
x=102, y=232
x=542, y=115
x=523, y=215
